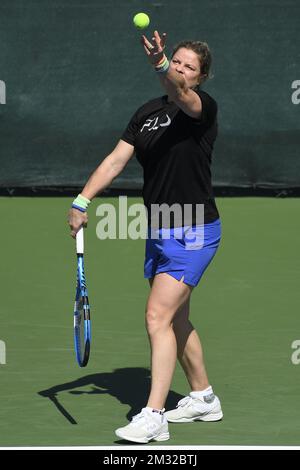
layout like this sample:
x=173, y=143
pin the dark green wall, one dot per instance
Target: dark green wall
x=75, y=72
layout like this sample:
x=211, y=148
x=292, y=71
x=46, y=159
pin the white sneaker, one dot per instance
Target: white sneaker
x=192, y=408
x=146, y=426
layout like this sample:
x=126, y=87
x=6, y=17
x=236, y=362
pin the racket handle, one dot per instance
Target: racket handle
x=79, y=242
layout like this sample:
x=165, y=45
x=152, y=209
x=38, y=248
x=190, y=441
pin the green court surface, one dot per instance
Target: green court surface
x=246, y=310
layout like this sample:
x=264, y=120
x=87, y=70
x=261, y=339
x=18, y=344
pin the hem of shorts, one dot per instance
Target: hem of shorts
x=186, y=281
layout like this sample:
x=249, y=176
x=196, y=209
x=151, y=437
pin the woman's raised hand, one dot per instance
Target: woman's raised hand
x=154, y=48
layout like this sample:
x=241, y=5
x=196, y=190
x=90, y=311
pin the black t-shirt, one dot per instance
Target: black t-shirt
x=175, y=151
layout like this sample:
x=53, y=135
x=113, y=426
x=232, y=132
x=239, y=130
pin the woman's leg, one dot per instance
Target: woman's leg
x=189, y=349
x=166, y=297
x=201, y=404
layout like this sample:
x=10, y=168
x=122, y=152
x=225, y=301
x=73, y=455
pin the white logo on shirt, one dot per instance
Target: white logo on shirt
x=153, y=125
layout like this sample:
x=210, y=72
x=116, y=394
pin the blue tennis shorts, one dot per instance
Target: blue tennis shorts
x=183, y=252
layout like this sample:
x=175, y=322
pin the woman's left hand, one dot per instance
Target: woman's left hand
x=155, y=48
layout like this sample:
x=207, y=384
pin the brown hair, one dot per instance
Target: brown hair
x=203, y=53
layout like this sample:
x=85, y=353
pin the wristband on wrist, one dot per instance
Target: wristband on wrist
x=162, y=66
x=81, y=203
x=74, y=206
x=161, y=61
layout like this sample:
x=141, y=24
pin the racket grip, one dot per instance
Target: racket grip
x=79, y=242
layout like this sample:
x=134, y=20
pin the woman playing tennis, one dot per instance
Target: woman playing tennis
x=172, y=137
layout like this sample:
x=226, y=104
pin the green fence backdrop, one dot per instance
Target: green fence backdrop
x=73, y=72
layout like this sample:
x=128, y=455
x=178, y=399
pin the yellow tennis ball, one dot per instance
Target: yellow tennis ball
x=141, y=20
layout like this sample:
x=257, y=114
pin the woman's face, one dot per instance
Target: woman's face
x=186, y=62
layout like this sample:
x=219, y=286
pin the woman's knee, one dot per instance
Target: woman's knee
x=157, y=319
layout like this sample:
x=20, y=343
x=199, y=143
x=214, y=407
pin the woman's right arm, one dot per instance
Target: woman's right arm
x=100, y=179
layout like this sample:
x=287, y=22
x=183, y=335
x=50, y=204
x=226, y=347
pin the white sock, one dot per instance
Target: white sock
x=155, y=410
x=202, y=393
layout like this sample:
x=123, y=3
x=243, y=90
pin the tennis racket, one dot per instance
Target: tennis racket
x=82, y=322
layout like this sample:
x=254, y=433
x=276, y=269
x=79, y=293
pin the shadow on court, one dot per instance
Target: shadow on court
x=130, y=386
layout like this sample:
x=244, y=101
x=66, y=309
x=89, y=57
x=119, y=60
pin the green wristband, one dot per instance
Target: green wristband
x=81, y=202
x=163, y=67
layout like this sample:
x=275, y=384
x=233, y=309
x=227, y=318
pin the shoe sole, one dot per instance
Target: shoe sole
x=207, y=418
x=161, y=437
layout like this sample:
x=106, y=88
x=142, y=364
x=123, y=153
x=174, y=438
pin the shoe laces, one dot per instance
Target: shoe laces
x=184, y=401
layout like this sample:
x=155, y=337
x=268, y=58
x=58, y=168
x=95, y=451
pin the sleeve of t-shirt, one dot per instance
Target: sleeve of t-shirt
x=209, y=109
x=130, y=133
